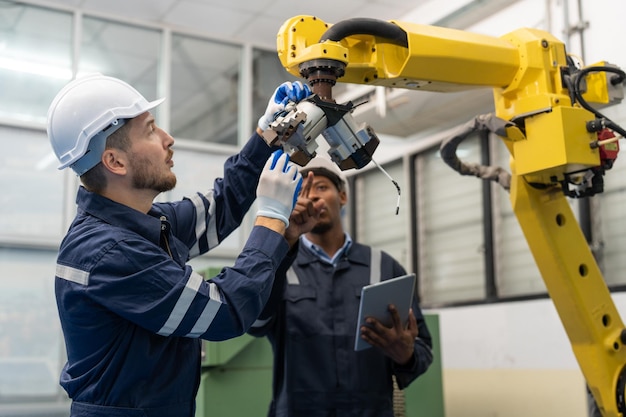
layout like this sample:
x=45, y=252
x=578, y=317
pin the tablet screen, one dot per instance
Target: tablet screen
x=375, y=300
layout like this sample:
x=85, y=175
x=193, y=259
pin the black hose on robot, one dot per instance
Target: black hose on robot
x=482, y=124
x=366, y=26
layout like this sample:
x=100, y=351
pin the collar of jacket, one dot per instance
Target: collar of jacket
x=116, y=214
x=356, y=254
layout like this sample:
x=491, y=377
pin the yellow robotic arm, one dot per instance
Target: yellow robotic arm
x=551, y=127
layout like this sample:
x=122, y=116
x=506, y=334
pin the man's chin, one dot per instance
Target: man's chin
x=321, y=228
x=167, y=185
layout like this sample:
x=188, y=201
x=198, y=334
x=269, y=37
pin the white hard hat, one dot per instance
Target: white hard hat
x=85, y=112
x=325, y=167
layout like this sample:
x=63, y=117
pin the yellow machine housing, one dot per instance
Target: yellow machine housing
x=548, y=140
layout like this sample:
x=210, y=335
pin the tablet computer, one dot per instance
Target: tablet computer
x=375, y=300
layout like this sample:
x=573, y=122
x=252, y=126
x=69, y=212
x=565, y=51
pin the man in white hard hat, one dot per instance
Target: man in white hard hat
x=132, y=311
x=311, y=320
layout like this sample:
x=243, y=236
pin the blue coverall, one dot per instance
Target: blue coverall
x=311, y=325
x=133, y=312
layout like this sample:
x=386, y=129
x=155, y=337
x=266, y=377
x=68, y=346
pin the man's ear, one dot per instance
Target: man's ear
x=115, y=161
x=343, y=197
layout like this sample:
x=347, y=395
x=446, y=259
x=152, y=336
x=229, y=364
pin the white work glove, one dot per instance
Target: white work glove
x=285, y=93
x=278, y=187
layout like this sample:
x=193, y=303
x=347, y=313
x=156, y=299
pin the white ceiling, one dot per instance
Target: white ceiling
x=253, y=21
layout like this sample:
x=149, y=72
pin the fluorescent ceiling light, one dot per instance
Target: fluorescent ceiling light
x=35, y=68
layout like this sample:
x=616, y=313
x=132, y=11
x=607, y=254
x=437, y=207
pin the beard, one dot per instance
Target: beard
x=146, y=176
x=321, y=227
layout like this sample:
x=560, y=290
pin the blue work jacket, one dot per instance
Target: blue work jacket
x=133, y=312
x=311, y=324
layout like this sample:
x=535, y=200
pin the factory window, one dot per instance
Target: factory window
x=35, y=59
x=31, y=346
x=128, y=52
x=450, y=219
x=32, y=197
x=204, y=90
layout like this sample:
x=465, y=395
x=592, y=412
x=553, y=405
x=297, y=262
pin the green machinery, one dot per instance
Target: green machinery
x=237, y=379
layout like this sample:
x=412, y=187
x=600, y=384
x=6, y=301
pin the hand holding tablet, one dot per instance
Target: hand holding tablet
x=375, y=300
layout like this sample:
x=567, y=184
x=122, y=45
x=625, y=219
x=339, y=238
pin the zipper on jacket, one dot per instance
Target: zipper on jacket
x=164, y=231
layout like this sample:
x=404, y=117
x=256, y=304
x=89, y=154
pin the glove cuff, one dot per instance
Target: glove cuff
x=263, y=123
x=273, y=215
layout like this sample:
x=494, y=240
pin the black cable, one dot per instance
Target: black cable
x=366, y=26
x=618, y=79
x=567, y=78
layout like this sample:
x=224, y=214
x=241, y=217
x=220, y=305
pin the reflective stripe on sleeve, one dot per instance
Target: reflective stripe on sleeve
x=182, y=305
x=201, y=222
x=72, y=274
x=209, y=313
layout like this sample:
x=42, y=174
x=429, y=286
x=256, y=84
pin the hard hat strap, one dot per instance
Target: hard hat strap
x=96, y=148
